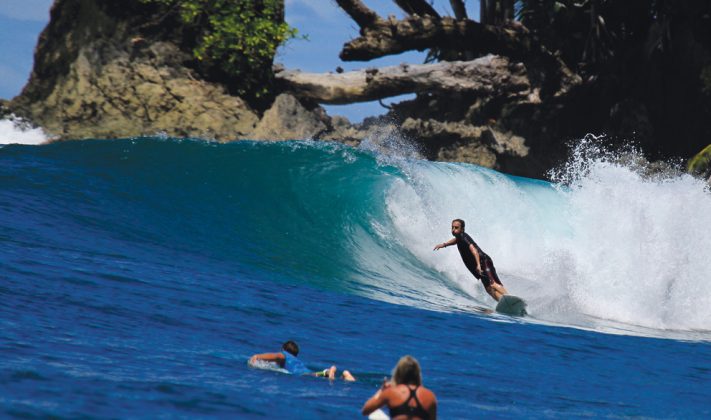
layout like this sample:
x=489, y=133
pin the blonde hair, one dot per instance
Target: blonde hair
x=407, y=371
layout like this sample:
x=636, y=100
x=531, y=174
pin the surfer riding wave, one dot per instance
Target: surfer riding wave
x=476, y=260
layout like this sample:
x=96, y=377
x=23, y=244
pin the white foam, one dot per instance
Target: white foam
x=15, y=131
x=612, y=245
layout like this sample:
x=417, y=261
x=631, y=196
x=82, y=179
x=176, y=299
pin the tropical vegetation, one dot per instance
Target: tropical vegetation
x=234, y=40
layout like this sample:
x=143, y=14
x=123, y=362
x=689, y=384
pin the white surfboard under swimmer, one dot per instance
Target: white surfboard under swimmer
x=264, y=365
x=378, y=415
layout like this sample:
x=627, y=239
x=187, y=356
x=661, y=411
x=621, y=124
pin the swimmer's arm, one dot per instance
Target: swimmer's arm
x=472, y=248
x=378, y=400
x=445, y=244
x=433, y=408
x=269, y=357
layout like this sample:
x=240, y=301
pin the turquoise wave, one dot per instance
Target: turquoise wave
x=364, y=221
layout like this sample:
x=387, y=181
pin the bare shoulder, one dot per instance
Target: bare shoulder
x=426, y=396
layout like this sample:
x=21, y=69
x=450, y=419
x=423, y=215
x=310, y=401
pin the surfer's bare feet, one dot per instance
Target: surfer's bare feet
x=347, y=376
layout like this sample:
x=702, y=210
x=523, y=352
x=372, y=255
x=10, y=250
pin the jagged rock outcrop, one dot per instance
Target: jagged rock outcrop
x=461, y=142
x=108, y=92
x=289, y=119
x=106, y=70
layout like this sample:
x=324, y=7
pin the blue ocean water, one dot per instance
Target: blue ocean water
x=138, y=276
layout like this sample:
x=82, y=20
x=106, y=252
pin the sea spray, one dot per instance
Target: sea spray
x=639, y=252
x=14, y=130
x=607, y=246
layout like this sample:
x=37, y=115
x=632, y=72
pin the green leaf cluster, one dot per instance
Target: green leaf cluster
x=235, y=40
x=701, y=163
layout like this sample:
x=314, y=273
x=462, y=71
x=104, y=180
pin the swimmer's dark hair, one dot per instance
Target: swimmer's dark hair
x=460, y=221
x=291, y=347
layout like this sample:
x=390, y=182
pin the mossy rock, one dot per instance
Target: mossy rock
x=701, y=163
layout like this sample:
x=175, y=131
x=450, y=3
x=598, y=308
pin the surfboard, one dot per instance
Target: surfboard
x=511, y=305
x=264, y=365
x=378, y=415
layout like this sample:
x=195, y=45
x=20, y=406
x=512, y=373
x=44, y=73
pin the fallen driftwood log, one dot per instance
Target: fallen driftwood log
x=490, y=76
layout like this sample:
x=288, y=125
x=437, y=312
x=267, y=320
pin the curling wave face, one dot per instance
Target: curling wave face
x=605, y=248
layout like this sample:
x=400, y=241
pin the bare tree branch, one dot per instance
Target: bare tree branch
x=359, y=12
x=417, y=7
x=454, y=39
x=490, y=75
x=486, y=11
x=496, y=12
x=420, y=33
x=460, y=11
x=507, y=10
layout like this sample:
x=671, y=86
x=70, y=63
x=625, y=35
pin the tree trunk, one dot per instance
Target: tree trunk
x=496, y=12
x=460, y=12
x=490, y=76
x=421, y=33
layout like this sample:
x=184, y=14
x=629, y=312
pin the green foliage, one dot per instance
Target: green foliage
x=236, y=40
x=701, y=163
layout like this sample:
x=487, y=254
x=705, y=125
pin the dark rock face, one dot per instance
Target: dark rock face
x=499, y=132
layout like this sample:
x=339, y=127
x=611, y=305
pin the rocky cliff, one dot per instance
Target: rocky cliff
x=105, y=70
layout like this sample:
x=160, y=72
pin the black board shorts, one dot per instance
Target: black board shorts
x=488, y=272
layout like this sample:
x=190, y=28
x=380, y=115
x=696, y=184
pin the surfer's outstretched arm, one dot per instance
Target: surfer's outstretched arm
x=445, y=244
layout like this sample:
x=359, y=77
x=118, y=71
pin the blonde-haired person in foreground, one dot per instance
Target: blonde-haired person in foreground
x=404, y=394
